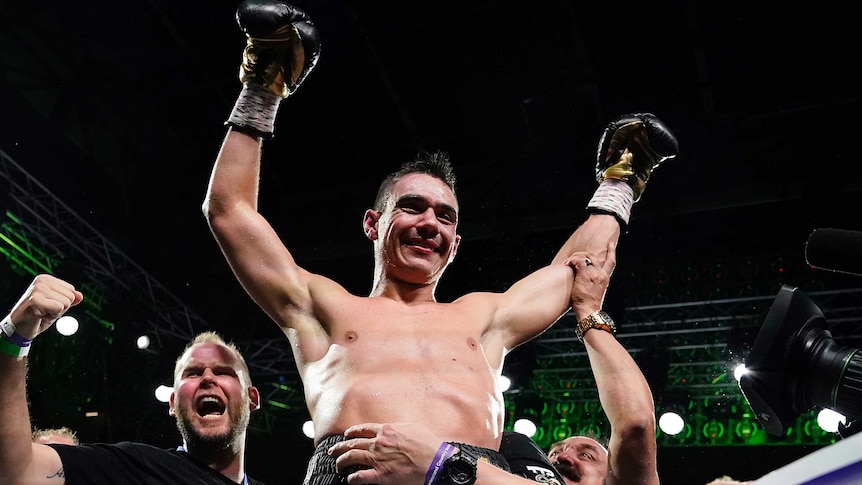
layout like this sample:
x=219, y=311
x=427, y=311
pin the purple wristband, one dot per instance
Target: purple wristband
x=17, y=339
x=434, y=470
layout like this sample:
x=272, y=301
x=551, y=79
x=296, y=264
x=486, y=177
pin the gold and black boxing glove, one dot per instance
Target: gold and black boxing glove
x=282, y=48
x=646, y=138
x=630, y=148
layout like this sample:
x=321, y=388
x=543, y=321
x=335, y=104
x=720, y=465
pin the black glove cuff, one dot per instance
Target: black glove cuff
x=624, y=228
x=250, y=131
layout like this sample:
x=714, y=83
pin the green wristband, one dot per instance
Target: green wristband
x=9, y=348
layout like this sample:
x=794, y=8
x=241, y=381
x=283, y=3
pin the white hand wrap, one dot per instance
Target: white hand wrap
x=614, y=196
x=255, y=108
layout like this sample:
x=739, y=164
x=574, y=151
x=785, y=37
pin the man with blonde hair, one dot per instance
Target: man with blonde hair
x=212, y=399
x=62, y=436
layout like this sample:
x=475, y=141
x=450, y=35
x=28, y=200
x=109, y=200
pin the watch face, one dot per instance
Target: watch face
x=599, y=319
x=461, y=469
x=461, y=473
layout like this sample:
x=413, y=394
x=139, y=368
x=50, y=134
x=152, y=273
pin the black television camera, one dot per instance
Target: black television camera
x=795, y=365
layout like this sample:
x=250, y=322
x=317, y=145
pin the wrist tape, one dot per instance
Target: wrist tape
x=254, y=111
x=613, y=197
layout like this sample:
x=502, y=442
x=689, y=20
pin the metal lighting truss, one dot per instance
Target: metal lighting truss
x=40, y=233
x=694, y=341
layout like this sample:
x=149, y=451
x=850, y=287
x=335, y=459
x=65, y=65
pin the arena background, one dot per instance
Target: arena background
x=114, y=111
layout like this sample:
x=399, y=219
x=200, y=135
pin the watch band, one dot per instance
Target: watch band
x=443, y=452
x=598, y=319
x=460, y=467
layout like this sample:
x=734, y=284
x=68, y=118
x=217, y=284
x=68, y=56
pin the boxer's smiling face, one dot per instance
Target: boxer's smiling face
x=415, y=234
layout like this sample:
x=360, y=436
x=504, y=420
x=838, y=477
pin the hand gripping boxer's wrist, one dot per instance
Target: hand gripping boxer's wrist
x=282, y=48
x=591, y=281
x=588, y=291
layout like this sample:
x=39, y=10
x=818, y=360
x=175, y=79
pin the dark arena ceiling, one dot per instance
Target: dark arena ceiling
x=113, y=114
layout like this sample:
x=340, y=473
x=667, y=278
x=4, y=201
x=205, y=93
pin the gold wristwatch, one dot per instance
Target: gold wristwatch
x=600, y=320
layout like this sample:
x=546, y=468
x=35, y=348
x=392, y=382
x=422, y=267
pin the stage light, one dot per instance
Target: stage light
x=504, y=383
x=828, y=420
x=746, y=429
x=67, y=325
x=561, y=432
x=308, y=429
x=527, y=421
x=143, y=342
x=671, y=423
x=738, y=371
x=163, y=393
x=813, y=431
x=525, y=426
x=714, y=430
x=529, y=411
x=568, y=409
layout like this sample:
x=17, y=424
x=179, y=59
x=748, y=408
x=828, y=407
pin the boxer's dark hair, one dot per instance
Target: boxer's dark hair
x=435, y=164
